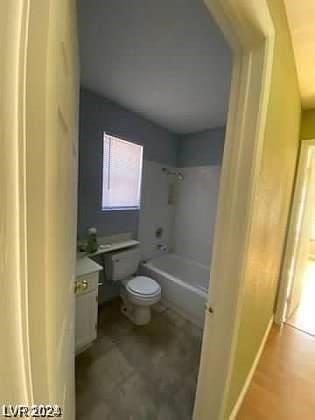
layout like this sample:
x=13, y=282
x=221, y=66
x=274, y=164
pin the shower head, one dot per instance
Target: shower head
x=177, y=174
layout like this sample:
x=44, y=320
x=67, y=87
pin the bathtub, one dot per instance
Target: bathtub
x=184, y=284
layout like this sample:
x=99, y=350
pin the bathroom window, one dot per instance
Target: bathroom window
x=122, y=169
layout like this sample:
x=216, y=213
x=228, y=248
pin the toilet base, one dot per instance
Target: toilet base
x=138, y=315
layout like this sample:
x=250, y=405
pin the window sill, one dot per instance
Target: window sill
x=120, y=209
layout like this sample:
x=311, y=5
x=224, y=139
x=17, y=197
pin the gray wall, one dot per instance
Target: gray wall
x=201, y=149
x=96, y=116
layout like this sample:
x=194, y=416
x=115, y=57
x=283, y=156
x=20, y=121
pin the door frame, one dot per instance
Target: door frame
x=286, y=281
x=15, y=353
x=249, y=30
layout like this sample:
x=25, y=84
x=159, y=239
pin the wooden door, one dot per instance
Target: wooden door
x=51, y=190
x=61, y=198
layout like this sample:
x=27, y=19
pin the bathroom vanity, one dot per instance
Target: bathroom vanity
x=86, y=302
x=87, y=288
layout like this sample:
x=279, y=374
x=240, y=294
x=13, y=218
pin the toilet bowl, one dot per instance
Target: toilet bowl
x=139, y=294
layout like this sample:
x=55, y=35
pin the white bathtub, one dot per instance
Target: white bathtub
x=184, y=284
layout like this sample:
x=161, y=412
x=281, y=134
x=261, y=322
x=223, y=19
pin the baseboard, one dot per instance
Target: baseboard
x=251, y=372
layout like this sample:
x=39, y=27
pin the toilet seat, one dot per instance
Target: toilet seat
x=138, y=295
x=143, y=287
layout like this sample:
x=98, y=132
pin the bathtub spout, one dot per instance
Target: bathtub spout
x=162, y=248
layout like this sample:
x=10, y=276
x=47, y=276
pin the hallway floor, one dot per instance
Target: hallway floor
x=139, y=373
x=283, y=387
x=303, y=317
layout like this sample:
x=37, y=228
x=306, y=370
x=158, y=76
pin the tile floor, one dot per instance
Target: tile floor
x=139, y=373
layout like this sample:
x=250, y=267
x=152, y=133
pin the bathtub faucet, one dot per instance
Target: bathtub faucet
x=162, y=248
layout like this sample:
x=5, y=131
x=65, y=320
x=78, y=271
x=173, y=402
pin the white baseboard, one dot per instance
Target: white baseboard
x=250, y=375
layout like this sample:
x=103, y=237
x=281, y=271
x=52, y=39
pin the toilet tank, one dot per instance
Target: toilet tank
x=120, y=265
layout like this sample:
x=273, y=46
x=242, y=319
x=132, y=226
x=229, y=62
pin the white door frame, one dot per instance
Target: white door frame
x=286, y=276
x=249, y=30
x=15, y=367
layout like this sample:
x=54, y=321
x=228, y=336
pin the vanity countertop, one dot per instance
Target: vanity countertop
x=115, y=246
x=85, y=266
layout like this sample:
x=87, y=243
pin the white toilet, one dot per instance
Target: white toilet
x=138, y=293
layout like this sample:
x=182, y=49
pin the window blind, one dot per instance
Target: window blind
x=122, y=169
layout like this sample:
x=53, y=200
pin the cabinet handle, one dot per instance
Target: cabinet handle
x=80, y=286
x=84, y=285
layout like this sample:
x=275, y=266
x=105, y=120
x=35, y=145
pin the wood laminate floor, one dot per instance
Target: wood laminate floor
x=283, y=387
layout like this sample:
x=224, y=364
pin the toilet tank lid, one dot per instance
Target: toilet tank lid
x=143, y=285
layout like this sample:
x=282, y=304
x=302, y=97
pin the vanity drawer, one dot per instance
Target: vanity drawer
x=86, y=283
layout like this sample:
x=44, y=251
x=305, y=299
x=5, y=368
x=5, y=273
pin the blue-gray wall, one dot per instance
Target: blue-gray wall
x=97, y=115
x=201, y=149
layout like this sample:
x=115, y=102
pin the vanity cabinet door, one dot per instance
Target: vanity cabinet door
x=86, y=320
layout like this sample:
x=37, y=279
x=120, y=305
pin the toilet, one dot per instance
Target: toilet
x=138, y=293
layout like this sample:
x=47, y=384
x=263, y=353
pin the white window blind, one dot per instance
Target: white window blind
x=122, y=168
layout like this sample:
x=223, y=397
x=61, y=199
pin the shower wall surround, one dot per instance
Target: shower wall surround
x=199, y=159
x=194, y=213
x=157, y=212
x=188, y=222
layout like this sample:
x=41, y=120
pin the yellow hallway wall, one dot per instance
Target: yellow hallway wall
x=308, y=125
x=270, y=213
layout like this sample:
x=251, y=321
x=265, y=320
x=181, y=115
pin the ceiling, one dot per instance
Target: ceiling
x=166, y=60
x=301, y=17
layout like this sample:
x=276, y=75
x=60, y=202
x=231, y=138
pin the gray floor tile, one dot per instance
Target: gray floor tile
x=96, y=411
x=132, y=372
